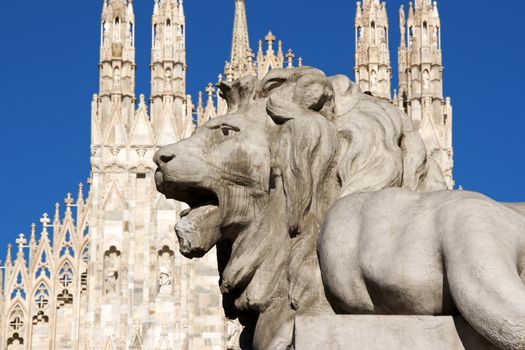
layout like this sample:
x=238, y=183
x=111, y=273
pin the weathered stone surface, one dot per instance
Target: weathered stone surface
x=386, y=332
x=324, y=200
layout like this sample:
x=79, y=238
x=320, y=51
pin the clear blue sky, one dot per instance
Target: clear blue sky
x=48, y=73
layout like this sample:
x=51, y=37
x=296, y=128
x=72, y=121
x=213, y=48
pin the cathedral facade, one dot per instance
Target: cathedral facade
x=103, y=271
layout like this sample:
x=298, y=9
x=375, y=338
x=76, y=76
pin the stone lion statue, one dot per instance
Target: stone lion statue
x=321, y=199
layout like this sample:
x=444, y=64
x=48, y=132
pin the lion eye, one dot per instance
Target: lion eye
x=228, y=130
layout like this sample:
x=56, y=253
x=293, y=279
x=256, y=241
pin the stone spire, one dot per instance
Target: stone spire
x=241, y=60
x=116, y=96
x=421, y=82
x=372, y=55
x=168, y=62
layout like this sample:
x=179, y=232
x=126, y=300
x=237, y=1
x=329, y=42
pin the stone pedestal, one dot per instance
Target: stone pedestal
x=386, y=332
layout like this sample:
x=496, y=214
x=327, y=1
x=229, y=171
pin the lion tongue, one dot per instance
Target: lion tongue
x=199, y=230
x=205, y=216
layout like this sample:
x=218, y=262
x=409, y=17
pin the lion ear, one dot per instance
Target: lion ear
x=238, y=93
x=312, y=93
x=282, y=109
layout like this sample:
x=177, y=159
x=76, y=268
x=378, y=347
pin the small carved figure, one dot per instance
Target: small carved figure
x=165, y=280
x=373, y=79
x=111, y=274
x=116, y=78
x=426, y=80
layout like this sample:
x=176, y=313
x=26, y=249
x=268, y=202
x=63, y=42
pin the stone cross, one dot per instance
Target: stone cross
x=21, y=242
x=45, y=221
x=16, y=324
x=41, y=302
x=210, y=91
x=66, y=280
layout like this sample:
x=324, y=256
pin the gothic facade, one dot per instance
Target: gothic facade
x=420, y=71
x=103, y=272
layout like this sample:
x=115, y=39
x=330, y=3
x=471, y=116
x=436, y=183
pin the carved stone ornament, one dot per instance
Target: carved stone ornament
x=321, y=200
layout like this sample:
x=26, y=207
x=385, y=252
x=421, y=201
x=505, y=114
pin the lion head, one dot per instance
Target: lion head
x=260, y=180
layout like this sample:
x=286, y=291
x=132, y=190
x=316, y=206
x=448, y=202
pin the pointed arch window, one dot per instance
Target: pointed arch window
x=116, y=29
x=437, y=38
x=65, y=283
x=425, y=33
x=16, y=326
x=41, y=304
x=131, y=34
x=168, y=31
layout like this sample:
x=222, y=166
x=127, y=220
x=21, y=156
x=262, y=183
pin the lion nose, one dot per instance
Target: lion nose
x=163, y=156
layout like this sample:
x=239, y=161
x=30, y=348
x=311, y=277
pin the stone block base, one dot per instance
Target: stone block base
x=386, y=332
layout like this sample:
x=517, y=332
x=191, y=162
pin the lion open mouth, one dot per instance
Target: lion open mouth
x=198, y=225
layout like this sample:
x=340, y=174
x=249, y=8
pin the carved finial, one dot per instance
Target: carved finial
x=270, y=38
x=33, y=233
x=280, y=47
x=69, y=203
x=142, y=100
x=435, y=8
x=219, y=78
x=56, y=219
x=80, y=195
x=290, y=56
x=210, y=90
x=9, y=258
x=21, y=242
x=45, y=221
x=199, y=103
x=300, y=61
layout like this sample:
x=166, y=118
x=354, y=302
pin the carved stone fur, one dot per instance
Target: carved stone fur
x=261, y=180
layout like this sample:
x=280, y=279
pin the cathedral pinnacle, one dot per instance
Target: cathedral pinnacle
x=241, y=61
